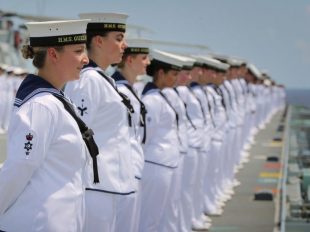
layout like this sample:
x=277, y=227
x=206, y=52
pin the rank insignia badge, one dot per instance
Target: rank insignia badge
x=28, y=143
x=82, y=108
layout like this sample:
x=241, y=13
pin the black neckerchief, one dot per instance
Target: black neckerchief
x=125, y=99
x=218, y=91
x=185, y=106
x=175, y=112
x=151, y=86
x=119, y=78
x=195, y=84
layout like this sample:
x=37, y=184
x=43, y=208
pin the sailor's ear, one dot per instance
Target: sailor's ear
x=52, y=54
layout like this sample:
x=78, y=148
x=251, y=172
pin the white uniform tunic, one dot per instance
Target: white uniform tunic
x=173, y=209
x=179, y=107
x=196, y=123
x=205, y=109
x=204, y=154
x=162, y=143
x=41, y=182
x=161, y=152
x=218, y=140
x=102, y=109
x=195, y=130
x=137, y=134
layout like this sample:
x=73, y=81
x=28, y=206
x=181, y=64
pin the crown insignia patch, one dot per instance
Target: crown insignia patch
x=28, y=144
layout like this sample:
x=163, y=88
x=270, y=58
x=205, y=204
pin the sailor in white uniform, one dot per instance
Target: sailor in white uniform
x=109, y=113
x=161, y=148
x=171, y=221
x=196, y=87
x=231, y=145
x=219, y=138
x=254, y=87
x=10, y=94
x=134, y=63
x=209, y=70
x=173, y=211
x=191, y=185
x=42, y=181
x=3, y=96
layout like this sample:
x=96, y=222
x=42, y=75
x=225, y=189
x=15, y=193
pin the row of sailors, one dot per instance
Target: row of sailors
x=168, y=151
x=195, y=127
x=10, y=80
x=215, y=120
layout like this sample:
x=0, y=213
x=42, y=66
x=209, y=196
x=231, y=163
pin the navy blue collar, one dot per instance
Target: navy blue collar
x=193, y=84
x=212, y=85
x=119, y=78
x=148, y=87
x=31, y=86
x=91, y=64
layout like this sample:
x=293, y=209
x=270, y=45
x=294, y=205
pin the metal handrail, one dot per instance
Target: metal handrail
x=285, y=154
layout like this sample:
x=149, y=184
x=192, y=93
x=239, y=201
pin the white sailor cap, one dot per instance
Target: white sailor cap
x=235, y=62
x=3, y=66
x=105, y=22
x=265, y=75
x=220, y=57
x=166, y=59
x=188, y=62
x=10, y=69
x=137, y=46
x=222, y=67
x=254, y=70
x=19, y=71
x=267, y=82
x=232, y=61
x=57, y=33
x=199, y=61
x=211, y=63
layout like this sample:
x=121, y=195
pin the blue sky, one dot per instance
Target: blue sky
x=272, y=34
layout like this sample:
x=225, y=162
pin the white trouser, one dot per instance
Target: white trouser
x=126, y=210
x=199, y=185
x=136, y=209
x=100, y=212
x=188, y=187
x=169, y=222
x=212, y=172
x=156, y=184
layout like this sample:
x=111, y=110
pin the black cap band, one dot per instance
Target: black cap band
x=99, y=27
x=198, y=64
x=162, y=64
x=137, y=50
x=210, y=67
x=60, y=40
x=187, y=67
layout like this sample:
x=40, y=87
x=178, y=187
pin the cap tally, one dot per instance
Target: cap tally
x=105, y=22
x=57, y=33
x=137, y=46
